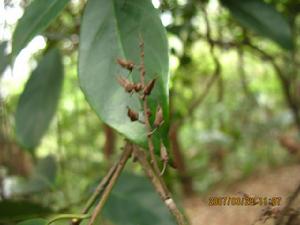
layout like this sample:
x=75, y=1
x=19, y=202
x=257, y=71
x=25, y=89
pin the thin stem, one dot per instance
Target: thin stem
x=217, y=70
x=146, y=109
x=122, y=162
x=242, y=73
x=160, y=187
x=69, y=216
x=96, y=193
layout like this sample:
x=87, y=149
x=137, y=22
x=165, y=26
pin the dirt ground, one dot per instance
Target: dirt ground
x=276, y=183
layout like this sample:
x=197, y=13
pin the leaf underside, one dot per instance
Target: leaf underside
x=111, y=30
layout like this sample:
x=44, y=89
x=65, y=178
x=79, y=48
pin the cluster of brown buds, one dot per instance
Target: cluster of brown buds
x=130, y=86
x=143, y=90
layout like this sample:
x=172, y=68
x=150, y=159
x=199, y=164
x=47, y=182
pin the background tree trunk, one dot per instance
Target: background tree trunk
x=185, y=179
x=110, y=140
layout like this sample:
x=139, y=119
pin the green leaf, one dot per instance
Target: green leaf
x=4, y=59
x=37, y=16
x=111, y=30
x=261, y=18
x=34, y=222
x=18, y=210
x=133, y=201
x=39, y=99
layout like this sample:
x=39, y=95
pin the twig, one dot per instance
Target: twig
x=146, y=110
x=217, y=70
x=159, y=186
x=242, y=73
x=211, y=42
x=68, y=216
x=122, y=162
x=96, y=193
x=205, y=92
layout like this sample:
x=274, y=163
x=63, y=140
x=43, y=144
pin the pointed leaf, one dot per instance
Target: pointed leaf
x=39, y=99
x=111, y=30
x=37, y=16
x=261, y=18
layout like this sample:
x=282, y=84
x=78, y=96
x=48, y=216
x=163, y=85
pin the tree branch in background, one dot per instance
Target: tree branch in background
x=110, y=139
x=217, y=71
x=179, y=160
x=285, y=83
x=241, y=72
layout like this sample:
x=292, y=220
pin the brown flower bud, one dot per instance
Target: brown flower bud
x=126, y=64
x=159, y=118
x=163, y=152
x=138, y=87
x=133, y=115
x=126, y=84
x=148, y=88
x=164, y=157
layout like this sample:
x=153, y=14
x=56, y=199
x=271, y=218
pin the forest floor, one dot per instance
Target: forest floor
x=278, y=182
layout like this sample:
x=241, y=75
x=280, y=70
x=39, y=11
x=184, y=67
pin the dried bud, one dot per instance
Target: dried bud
x=159, y=118
x=163, y=152
x=126, y=64
x=133, y=115
x=126, y=84
x=148, y=88
x=138, y=87
x=164, y=157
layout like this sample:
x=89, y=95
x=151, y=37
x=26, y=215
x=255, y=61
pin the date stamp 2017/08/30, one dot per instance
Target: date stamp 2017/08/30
x=243, y=201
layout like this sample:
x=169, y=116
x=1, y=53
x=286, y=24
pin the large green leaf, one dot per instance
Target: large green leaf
x=4, y=59
x=261, y=18
x=134, y=202
x=34, y=222
x=111, y=30
x=36, y=18
x=39, y=99
x=18, y=210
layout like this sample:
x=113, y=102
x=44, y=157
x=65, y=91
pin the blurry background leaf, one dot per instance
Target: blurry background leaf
x=34, y=222
x=261, y=18
x=36, y=18
x=134, y=202
x=20, y=210
x=111, y=30
x=4, y=59
x=39, y=99
x=43, y=177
